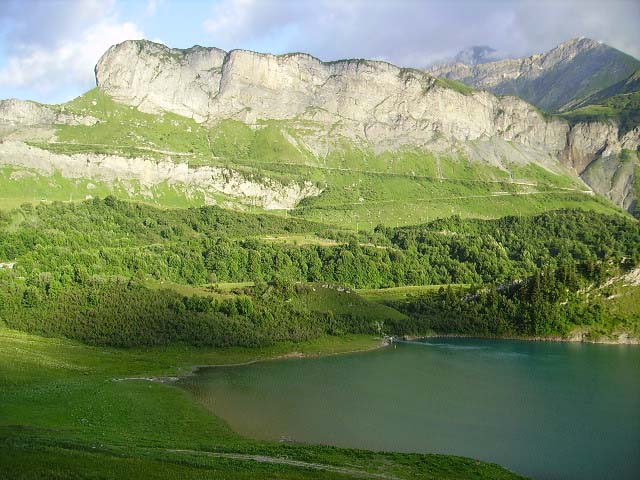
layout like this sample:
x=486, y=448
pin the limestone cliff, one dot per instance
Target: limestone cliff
x=23, y=113
x=368, y=102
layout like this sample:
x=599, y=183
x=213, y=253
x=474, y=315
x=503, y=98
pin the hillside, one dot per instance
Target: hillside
x=354, y=143
x=201, y=207
x=112, y=273
x=620, y=103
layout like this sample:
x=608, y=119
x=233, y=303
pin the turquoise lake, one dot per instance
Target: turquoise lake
x=545, y=410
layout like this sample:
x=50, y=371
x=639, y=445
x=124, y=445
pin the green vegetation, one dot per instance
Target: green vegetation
x=623, y=109
x=127, y=131
x=102, y=271
x=393, y=294
x=455, y=85
x=551, y=303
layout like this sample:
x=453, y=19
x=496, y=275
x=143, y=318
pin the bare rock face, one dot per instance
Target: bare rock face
x=374, y=103
x=154, y=77
x=22, y=113
x=368, y=101
x=607, y=161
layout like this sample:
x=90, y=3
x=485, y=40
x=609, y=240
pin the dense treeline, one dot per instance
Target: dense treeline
x=548, y=303
x=207, y=245
x=122, y=313
x=81, y=271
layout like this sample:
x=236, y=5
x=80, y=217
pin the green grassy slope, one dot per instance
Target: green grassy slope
x=361, y=188
x=623, y=109
x=627, y=85
x=619, y=102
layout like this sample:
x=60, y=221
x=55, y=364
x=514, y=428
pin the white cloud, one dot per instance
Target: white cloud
x=152, y=7
x=417, y=32
x=70, y=61
x=54, y=50
x=231, y=20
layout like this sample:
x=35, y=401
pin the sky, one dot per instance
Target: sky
x=48, y=48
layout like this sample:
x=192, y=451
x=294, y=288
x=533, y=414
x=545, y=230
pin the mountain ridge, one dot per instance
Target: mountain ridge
x=552, y=80
x=378, y=103
x=316, y=124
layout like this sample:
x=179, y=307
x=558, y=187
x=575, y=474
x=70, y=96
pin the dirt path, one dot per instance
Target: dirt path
x=286, y=461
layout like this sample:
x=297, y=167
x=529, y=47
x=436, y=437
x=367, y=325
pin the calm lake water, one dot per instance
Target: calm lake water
x=546, y=410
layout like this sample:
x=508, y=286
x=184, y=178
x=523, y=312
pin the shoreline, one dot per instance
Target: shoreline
x=385, y=341
x=576, y=338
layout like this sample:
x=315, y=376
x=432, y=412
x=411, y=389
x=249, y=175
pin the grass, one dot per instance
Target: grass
x=410, y=211
x=131, y=130
x=318, y=297
x=383, y=295
x=455, y=85
x=623, y=108
x=19, y=186
x=64, y=415
x=339, y=300
x=621, y=298
x=300, y=239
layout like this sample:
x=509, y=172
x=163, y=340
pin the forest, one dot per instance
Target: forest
x=85, y=271
x=547, y=304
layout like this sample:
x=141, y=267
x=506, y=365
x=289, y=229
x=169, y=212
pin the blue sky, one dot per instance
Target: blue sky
x=48, y=47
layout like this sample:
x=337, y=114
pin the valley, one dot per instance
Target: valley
x=203, y=207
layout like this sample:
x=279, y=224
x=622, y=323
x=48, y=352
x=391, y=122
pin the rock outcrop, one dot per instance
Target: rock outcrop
x=207, y=181
x=154, y=77
x=23, y=113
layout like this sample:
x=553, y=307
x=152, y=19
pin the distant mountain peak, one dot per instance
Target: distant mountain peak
x=580, y=42
x=553, y=81
x=476, y=55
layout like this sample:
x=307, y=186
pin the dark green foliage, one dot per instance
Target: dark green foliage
x=543, y=305
x=81, y=269
x=124, y=314
x=110, y=237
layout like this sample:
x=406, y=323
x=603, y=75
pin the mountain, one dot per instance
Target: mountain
x=552, y=81
x=351, y=142
x=476, y=55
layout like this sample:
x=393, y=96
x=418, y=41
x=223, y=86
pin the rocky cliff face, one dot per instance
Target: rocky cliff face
x=22, y=113
x=552, y=80
x=146, y=174
x=369, y=102
x=154, y=77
